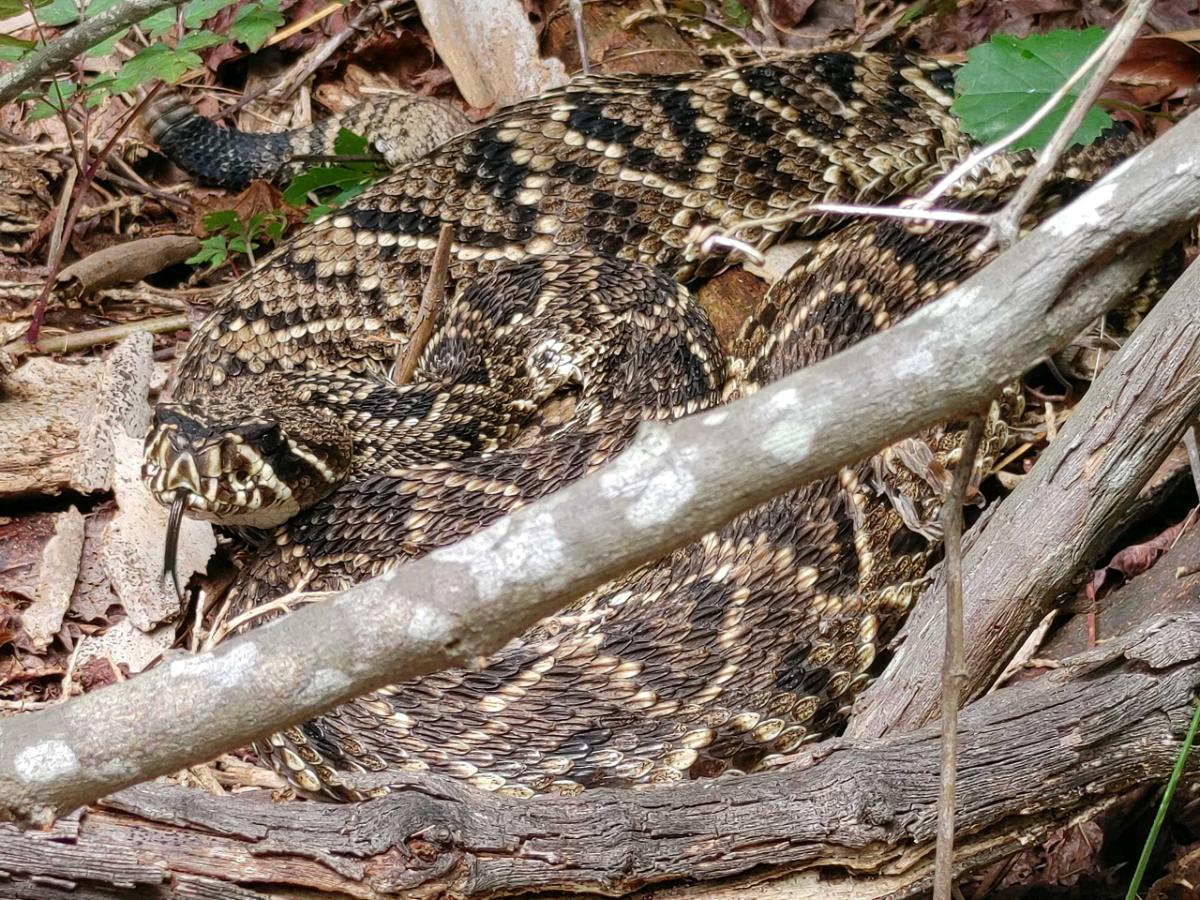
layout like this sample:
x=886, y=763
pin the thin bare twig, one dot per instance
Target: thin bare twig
x=315, y=58
x=83, y=340
x=710, y=240
x=431, y=302
x=77, y=198
x=953, y=673
x=580, y=38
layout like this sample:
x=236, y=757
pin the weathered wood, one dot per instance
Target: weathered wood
x=1032, y=756
x=490, y=48
x=59, y=419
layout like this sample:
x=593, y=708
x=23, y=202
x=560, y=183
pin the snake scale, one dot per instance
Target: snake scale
x=566, y=324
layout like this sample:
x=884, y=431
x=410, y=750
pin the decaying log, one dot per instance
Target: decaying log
x=59, y=420
x=1032, y=756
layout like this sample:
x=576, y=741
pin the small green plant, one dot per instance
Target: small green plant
x=163, y=60
x=1160, y=816
x=330, y=185
x=1007, y=79
x=230, y=234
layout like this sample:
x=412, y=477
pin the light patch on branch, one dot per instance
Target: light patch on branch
x=222, y=669
x=46, y=762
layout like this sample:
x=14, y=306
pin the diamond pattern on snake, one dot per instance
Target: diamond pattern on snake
x=569, y=320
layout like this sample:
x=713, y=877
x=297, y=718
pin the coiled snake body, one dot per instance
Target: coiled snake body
x=570, y=214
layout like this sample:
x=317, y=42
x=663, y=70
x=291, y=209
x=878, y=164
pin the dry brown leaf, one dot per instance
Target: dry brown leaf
x=1136, y=558
x=789, y=13
x=1156, y=69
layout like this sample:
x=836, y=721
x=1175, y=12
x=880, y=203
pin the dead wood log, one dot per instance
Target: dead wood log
x=1033, y=756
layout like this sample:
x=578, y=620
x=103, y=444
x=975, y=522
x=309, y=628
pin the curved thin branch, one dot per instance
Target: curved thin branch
x=673, y=484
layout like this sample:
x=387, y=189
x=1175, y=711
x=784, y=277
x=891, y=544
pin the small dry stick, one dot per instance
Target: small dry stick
x=83, y=340
x=952, y=660
x=77, y=197
x=431, y=301
x=581, y=39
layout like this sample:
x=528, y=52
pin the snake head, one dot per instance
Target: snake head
x=252, y=473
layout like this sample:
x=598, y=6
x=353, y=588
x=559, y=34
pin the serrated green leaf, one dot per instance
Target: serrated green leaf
x=199, y=40
x=214, y=251
x=255, y=22
x=154, y=62
x=199, y=11
x=1005, y=81
x=162, y=22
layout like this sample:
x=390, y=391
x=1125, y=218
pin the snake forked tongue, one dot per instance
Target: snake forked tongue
x=170, y=550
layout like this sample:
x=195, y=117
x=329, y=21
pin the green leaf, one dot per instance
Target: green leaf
x=1007, y=79
x=220, y=220
x=199, y=40
x=255, y=22
x=312, y=181
x=162, y=22
x=735, y=14
x=58, y=12
x=10, y=45
x=213, y=252
x=53, y=101
x=198, y=11
x=154, y=62
x=347, y=143
x=10, y=8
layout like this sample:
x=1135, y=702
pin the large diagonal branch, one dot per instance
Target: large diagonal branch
x=673, y=484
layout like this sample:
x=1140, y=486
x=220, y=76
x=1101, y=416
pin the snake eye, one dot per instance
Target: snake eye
x=272, y=440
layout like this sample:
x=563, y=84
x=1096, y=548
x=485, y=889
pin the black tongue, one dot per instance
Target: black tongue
x=174, y=520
